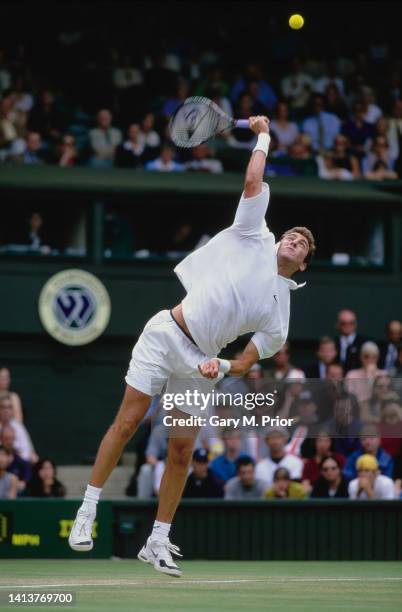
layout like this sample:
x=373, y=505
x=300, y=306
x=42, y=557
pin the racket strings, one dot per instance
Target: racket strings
x=196, y=121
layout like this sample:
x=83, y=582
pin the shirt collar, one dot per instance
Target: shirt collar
x=291, y=283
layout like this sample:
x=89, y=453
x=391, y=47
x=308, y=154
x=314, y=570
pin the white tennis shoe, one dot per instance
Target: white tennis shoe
x=81, y=532
x=159, y=554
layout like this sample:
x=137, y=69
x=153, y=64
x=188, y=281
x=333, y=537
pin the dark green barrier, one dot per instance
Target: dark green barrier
x=271, y=530
x=40, y=528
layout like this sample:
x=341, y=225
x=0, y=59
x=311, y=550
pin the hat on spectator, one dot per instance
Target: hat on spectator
x=200, y=455
x=367, y=462
x=295, y=374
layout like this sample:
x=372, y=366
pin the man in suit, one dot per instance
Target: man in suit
x=326, y=354
x=389, y=348
x=349, y=342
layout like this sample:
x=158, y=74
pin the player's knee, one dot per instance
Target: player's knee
x=180, y=455
x=126, y=425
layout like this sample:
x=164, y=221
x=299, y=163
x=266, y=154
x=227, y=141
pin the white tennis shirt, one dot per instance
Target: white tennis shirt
x=233, y=286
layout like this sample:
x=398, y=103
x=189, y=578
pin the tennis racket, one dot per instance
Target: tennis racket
x=197, y=120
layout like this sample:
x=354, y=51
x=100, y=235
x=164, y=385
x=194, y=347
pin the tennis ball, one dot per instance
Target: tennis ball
x=296, y=22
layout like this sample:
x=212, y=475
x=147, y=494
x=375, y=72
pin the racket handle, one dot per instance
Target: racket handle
x=242, y=123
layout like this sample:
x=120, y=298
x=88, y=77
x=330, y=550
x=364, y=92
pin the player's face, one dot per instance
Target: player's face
x=294, y=247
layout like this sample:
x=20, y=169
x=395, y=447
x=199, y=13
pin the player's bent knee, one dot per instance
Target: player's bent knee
x=180, y=453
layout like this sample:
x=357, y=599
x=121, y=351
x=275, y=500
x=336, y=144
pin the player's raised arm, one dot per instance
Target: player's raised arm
x=255, y=169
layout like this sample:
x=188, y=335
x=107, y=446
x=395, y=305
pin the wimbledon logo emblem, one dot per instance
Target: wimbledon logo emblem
x=74, y=307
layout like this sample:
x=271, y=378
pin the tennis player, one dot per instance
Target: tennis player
x=238, y=283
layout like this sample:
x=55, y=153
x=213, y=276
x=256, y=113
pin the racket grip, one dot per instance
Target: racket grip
x=242, y=123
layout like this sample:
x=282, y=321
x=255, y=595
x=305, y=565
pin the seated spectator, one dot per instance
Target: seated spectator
x=326, y=354
x=390, y=425
x=148, y=136
x=371, y=111
x=285, y=131
x=66, y=152
x=130, y=154
x=245, y=485
x=370, y=409
x=28, y=152
x=8, y=482
x=322, y=446
x=276, y=440
x=23, y=443
x=389, y=347
x=46, y=119
x=305, y=425
x=359, y=132
x=370, y=484
x=282, y=365
x=331, y=482
x=44, y=482
x=394, y=135
x=334, y=103
x=10, y=123
x=360, y=381
x=203, y=161
x=283, y=487
x=299, y=160
x=5, y=383
x=296, y=87
x=330, y=78
x=345, y=425
x=104, y=140
x=126, y=75
x=328, y=170
x=238, y=138
x=165, y=162
x=202, y=482
x=253, y=72
x=382, y=128
x=321, y=126
x=151, y=471
x=33, y=235
x=370, y=441
x=18, y=466
x=341, y=157
x=224, y=466
x=378, y=165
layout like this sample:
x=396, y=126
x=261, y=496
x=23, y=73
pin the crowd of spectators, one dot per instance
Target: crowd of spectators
x=330, y=117
x=345, y=438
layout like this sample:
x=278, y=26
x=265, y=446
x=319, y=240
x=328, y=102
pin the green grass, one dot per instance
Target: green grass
x=294, y=586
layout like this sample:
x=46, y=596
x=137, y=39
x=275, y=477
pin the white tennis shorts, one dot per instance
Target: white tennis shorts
x=165, y=360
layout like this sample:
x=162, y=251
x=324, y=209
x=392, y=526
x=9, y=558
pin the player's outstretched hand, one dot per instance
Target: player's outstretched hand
x=259, y=124
x=210, y=368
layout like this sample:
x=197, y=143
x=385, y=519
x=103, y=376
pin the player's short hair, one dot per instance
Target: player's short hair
x=304, y=231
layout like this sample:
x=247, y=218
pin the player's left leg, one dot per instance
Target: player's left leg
x=158, y=549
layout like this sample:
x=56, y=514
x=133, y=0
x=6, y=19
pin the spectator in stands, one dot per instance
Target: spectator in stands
x=151, y=471
x=30, y=151
x=5, y=384
x=23, y=443
x=245, y=485
x=131, y=153
x=370, y=409
x=390, y=426
x=360, y=381
x=10, y=125
x=203, y=161
x=382, y=128
x=321, y=126
x=395, y=129
x=377, y=165
x=330, y=78
x=290, y=393
x=299, y=160
x=372, y=112
x=148, y=135
x=253, y=72
x=276, y=440
x=359, y=132
x=224, y=466
x=126, y=75
x=322, y=446
x=33, y=235
x=18, y=466
x=104, y=140
x=334, y=103
x=172, y=103
x=283, y=487
x=282, y=365
x=296, y=87
x=8, y=482
x=46, y=119
x=341, y=157
x=370, y=484
x=327, y=168
x=344, y=426
x=166, y=161
x=331, y=482
x=66, y=152
x=202, y=482
x=326, y=354
x=285, y=131
x=44, y=482
x=389, y=348
x=242, y=139
x=349, y=342
x=370, y=441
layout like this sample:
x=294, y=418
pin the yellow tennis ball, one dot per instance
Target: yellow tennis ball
x=296, y=22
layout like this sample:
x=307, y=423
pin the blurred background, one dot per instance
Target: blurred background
x=90, y=180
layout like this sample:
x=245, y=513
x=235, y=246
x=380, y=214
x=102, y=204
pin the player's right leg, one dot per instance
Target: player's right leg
x=132, y=410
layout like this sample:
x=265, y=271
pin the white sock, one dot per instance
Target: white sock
x=92, y=495
x=160, y=529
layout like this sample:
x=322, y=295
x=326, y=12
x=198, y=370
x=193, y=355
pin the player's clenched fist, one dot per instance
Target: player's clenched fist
x=210, y=368
x=259, y=124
